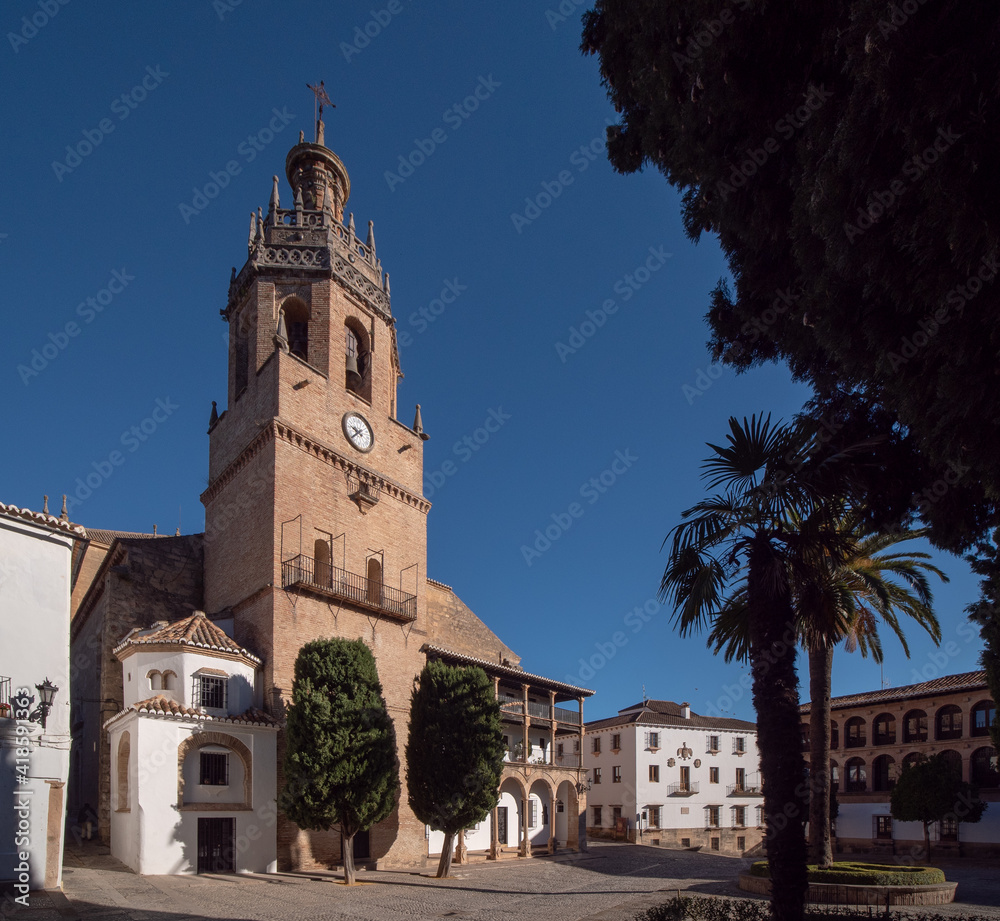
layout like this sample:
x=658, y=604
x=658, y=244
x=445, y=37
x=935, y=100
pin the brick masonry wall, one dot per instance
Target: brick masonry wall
x=158, y=580
x=451, y=623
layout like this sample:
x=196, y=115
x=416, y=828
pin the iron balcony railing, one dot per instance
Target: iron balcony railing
x=744, y=789
x=331, y=580
x=4, y=696
x=683, y=789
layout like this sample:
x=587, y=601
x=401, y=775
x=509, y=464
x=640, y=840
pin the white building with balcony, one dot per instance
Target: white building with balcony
x=542, y=801
x=661, y=774
x=39, y=557
x=193, y=759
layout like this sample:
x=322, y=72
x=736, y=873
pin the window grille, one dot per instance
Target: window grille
x=214, y=769
x=210, y=691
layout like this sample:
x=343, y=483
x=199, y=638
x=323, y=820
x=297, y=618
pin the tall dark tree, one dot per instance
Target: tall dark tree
x=454, y=755
x=743, y=538
x=837, y=149
x=844, y=599
x=340, y=763
x=986, y=613
x=931, y=791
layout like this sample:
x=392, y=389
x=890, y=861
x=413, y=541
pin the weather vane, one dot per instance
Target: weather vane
x=321, y=99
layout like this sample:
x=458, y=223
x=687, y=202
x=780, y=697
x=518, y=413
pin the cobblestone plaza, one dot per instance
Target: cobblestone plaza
x=609, y=881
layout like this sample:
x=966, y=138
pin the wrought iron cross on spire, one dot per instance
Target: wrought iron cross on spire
x=321, y=100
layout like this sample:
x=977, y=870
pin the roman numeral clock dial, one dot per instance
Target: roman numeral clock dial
x=358, y=432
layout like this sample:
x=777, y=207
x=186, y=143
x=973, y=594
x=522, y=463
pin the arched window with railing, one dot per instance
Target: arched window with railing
x=883, y=773
x=854, y=733
x=948, y=722
x=954, y=760
x=983, y=768
x=834, y=734
x=321, y=556
x=884, y=729
x=915, y=726
x=982, y=716
x=374, y=580
x=857, y=776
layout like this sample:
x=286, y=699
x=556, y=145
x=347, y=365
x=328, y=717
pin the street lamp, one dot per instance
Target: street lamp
x=46, y=693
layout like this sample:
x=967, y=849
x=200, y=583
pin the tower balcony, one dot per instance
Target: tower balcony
x=304, y=573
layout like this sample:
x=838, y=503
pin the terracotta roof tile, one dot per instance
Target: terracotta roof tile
x=100, y=536
x=967, y=681
x=43, y=519
x=164, y=706
x=668, y=714
x=196, y=630
x=494, y=668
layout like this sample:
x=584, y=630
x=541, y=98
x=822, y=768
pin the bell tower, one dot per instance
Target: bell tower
x=315, y=519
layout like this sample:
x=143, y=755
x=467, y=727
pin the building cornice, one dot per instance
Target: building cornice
x=278, y=429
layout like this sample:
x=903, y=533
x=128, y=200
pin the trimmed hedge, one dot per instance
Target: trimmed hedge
x=856, y=873
x=707, y=908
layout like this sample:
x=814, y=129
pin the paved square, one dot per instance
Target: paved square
x=610, y=881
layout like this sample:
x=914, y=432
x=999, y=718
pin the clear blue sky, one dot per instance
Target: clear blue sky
x=103, y=221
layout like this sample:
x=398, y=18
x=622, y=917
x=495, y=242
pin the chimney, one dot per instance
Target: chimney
x=686, y=710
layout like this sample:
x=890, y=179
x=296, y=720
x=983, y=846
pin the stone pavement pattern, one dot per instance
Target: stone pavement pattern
x=611, y=881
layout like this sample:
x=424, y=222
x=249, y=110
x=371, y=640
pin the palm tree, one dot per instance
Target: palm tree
x=843, y=601
x=865, y=586
x=744, y=535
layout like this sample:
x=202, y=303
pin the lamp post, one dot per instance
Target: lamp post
x=46, y=693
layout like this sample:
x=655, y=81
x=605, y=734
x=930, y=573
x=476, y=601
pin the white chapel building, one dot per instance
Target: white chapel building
x=193, y=759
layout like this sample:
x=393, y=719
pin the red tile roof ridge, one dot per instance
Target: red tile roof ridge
x=196, y=630
x=43, y=519
x=943, y=684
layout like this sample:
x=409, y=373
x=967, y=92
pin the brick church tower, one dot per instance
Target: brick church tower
x=315, y=520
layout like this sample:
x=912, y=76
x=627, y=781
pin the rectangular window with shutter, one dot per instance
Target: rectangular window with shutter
x=654, y=773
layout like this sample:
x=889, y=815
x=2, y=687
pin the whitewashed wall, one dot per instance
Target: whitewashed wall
x=35, y=586
x=156, y=838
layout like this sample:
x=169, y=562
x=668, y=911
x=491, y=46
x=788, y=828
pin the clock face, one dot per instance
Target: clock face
x=358, y=431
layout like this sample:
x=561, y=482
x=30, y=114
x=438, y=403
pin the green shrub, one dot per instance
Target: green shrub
x=709, y=908
x=856, y=873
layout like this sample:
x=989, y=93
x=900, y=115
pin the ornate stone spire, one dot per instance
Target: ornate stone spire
x=315, y=171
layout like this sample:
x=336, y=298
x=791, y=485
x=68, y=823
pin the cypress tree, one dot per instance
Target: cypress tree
x=454, y=755
x=340, y=761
